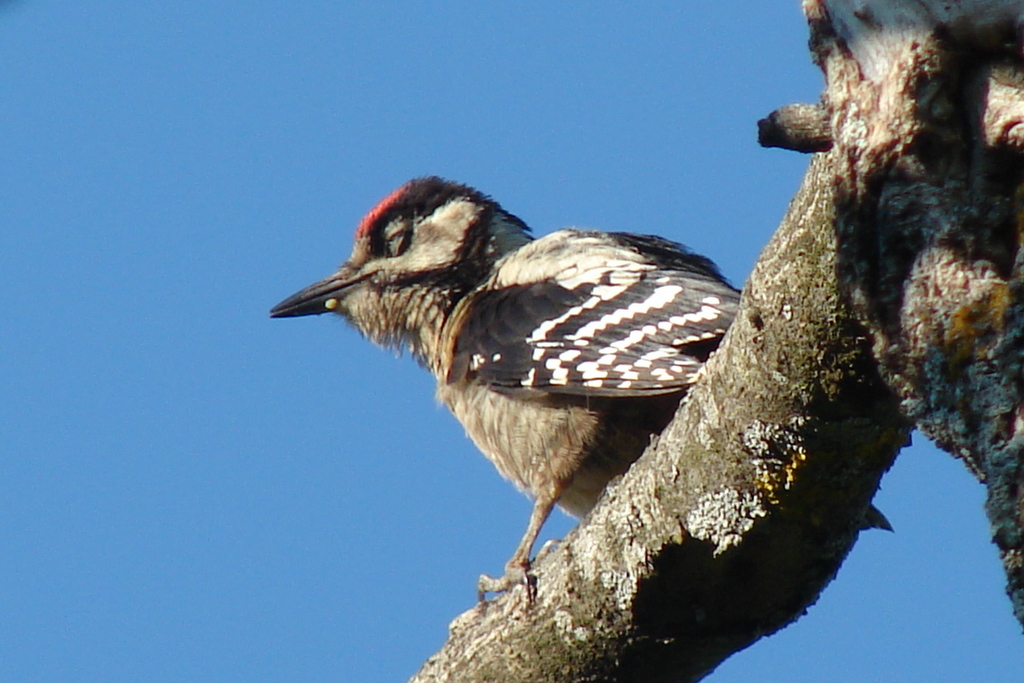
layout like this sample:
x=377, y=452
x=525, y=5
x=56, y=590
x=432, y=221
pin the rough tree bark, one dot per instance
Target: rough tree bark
x=732, y=524
x=927, y=119
x=729, y=527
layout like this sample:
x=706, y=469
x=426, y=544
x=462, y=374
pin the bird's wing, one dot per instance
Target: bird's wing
x=606, y=331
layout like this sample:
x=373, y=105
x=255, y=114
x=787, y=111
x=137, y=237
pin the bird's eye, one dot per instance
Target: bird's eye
x=396, y=242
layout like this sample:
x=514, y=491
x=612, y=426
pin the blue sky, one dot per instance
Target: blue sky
x=191, y=491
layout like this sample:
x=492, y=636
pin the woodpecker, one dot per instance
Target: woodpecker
x=561, y=356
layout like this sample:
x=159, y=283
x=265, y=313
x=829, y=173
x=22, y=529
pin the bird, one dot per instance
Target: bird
x=562, y=356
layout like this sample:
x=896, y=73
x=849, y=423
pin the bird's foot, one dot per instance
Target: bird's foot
x=516, y=573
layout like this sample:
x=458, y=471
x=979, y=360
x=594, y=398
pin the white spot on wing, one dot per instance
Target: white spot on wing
x=658, y=354
x=608, y=292
x=613, y=271
x=659, y=298
x=541, y=332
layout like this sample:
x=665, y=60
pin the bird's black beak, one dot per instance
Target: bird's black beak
x=320, y=297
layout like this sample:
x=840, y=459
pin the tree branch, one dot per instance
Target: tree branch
x=730, y=526
x=797, y=127
x=927, y=102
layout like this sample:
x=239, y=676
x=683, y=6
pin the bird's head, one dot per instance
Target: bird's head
x=416, y=254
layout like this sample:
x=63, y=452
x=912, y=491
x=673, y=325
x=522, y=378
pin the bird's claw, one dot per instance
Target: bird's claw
x=515, y=574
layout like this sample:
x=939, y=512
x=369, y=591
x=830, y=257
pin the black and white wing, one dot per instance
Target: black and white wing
x=607, y=314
